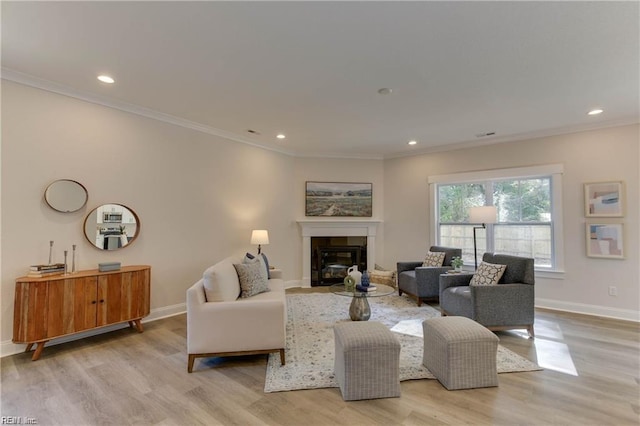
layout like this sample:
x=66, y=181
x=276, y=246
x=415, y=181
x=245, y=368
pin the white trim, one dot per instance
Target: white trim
x=581, y=308
x=512, y=173
x=9, y=348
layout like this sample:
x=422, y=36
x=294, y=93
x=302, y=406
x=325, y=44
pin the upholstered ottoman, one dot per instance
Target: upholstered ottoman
x=367, y=360
x=460, y=352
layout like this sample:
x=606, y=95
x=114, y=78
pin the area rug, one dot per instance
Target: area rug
x=310, y=345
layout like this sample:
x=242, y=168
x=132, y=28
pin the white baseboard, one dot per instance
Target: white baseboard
x=581, y=308
x=292, y=284
x=9, y=348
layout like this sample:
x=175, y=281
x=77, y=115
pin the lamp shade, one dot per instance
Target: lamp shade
x=483, y=214
x=259, y=236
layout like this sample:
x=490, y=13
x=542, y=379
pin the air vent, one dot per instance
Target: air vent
x=253, y=132
x=484, y=135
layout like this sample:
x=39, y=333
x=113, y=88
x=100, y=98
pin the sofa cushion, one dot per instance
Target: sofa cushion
x=434, y=258
x=487, y=274
x=261, y=257
x=221, y=282
x=253, y=278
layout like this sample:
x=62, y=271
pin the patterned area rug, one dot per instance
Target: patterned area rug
x=310, y=345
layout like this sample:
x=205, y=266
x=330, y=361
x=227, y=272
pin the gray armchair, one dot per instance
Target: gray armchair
x=508, y=305
x=422, y=282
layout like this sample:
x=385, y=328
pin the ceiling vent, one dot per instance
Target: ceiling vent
x=484, y=135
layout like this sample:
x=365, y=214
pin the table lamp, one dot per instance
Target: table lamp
x=259, y=237
x=483, y=215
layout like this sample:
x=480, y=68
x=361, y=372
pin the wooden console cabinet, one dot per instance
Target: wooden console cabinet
x=50, y=307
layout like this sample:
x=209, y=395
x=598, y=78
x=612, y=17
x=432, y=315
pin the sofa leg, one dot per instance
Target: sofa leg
x=282, y=356
x=190, y=363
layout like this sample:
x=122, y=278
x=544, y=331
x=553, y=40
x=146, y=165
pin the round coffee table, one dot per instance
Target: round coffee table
x=360, y=309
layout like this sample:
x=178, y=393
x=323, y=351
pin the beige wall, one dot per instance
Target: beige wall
x=600, y=155
x=199, y=196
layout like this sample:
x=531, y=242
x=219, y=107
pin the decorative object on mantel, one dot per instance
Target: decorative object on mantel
x=604, y=199
x=50, y=250
x=66, y=195
x=73, y=259
x=259, y=237
x=65, y=262
x=338, y=199
x=108, y=266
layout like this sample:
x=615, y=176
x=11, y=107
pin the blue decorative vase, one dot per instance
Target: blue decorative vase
x=364, y=281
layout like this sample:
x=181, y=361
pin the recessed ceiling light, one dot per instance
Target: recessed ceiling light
x=106, y=79
x=595, y=111
x=413, y=142
x=280, y=136
x=385, y=91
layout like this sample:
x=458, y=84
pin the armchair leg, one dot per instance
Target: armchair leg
x=282, y=356
x=399, y=292
x=190, y=363
x=530, y=331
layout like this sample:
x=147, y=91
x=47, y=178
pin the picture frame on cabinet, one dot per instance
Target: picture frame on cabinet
x=605, y=240
x=604, y=199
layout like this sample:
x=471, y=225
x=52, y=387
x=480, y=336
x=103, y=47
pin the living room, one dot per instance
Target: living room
x=199, y=195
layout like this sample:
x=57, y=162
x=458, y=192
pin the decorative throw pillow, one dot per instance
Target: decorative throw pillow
x=434, y=258
x=487, y=274
x=221, y=282
x=253, y=278
x=248, y=258
x=383, y=277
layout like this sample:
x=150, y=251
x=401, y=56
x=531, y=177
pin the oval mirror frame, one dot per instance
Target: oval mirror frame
x=111, y=226
x=66, y=195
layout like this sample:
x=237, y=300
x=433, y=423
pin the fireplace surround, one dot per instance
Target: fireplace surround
x=336, y=228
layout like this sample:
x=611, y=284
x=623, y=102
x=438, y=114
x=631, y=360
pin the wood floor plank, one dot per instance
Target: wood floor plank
x=127, y=378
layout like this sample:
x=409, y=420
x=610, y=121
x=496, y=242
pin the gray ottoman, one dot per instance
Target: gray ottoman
x=367, y=360
x=460, y=352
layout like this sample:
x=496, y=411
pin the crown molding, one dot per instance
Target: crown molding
x=50, y=86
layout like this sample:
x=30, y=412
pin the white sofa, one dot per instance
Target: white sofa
x=220, y=323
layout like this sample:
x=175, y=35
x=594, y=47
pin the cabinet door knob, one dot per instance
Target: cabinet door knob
x=93, y=302
x=101, y=300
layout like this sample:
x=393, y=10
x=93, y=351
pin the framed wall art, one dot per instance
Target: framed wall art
x=604, y=199
x=605, y=240
x=338, y=199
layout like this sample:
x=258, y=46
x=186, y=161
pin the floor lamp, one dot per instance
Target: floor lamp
x=483, y=215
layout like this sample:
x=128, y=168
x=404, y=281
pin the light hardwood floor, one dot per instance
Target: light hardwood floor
x=127, y=378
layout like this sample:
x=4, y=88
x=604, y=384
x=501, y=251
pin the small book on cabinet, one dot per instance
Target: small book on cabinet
x=53, y=266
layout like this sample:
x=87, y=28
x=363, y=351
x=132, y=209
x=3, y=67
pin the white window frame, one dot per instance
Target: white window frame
x=555, y=171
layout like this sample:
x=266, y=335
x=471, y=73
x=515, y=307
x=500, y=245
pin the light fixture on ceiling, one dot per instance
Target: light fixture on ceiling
x=385, y=91
x=412, y=142
x=595, y=111
x=106, y=79
x=280, y=136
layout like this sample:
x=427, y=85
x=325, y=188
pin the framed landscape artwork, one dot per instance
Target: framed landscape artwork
x=604, y=199
x=338, y=199
x=605, y=240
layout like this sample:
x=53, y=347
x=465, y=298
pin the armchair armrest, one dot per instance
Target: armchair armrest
x=454, y=280
x=407, y=266
x=503, y=304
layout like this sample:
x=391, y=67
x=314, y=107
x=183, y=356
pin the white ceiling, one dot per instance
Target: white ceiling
x=312, y=69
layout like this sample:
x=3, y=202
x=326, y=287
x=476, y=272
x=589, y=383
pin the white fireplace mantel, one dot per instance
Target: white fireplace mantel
x=336, y=228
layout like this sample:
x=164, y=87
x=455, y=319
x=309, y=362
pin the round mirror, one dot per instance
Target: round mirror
x=65, y=195
x=111, y=226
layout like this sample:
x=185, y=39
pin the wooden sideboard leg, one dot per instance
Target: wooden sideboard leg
x=138, y=324
x=29, y=346
x=38, y=351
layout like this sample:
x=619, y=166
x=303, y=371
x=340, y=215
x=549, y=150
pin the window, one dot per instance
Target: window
x=528, y=222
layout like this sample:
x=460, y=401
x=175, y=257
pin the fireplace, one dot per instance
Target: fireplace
x=311, y=228
x=332, y=256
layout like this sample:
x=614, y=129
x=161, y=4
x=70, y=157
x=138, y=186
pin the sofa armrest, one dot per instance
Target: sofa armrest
x=407, y=266
x=275, y=273
x=454, y=280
